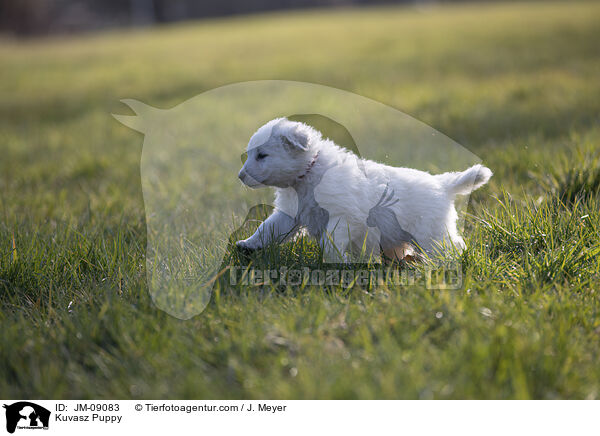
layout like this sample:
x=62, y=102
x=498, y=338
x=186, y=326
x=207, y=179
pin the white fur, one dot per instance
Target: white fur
x=299, y=161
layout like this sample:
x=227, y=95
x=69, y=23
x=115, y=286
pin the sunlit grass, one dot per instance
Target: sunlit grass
x=517, y=84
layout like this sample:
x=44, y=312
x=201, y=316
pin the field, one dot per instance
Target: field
x=516, y=84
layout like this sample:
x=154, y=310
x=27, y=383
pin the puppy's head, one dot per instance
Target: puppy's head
x=278, y=154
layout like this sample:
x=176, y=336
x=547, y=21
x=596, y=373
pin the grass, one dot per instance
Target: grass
x=514, y=83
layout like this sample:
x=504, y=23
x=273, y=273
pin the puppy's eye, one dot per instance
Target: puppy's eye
x=261, y=156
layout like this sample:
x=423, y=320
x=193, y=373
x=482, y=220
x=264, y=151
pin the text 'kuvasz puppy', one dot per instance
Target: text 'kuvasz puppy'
x=348, y=202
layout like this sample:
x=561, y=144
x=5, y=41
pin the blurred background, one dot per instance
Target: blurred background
x=40, y=17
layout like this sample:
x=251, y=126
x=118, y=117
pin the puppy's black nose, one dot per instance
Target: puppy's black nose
x=241, y=174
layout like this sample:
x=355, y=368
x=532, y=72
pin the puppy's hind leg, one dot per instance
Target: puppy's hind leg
x=277, y=228
x=403, y=252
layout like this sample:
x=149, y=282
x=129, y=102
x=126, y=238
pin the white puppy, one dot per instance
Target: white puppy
x=350, y=203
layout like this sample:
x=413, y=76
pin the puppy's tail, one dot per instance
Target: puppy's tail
x=465, y=182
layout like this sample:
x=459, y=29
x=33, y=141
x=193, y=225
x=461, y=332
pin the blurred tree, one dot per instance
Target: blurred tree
x=142, y=12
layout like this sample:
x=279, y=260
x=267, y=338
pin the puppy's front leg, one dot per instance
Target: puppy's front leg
x=335, y=242
x=276, y=228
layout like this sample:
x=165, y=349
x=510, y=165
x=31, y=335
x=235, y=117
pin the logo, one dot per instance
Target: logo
x=26, y=415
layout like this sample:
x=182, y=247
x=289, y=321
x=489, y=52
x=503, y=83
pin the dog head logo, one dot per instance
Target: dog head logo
x=26, y=415
x=193, y=198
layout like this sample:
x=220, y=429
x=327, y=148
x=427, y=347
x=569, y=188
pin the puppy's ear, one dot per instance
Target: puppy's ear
x=295, y=140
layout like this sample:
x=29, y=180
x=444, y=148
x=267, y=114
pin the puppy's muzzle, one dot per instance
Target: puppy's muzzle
x=247, y=179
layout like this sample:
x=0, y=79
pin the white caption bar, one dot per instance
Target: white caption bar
x=298, y=417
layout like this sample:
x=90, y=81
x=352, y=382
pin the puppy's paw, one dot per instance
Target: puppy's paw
x=334, y=256
x=245, y=247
